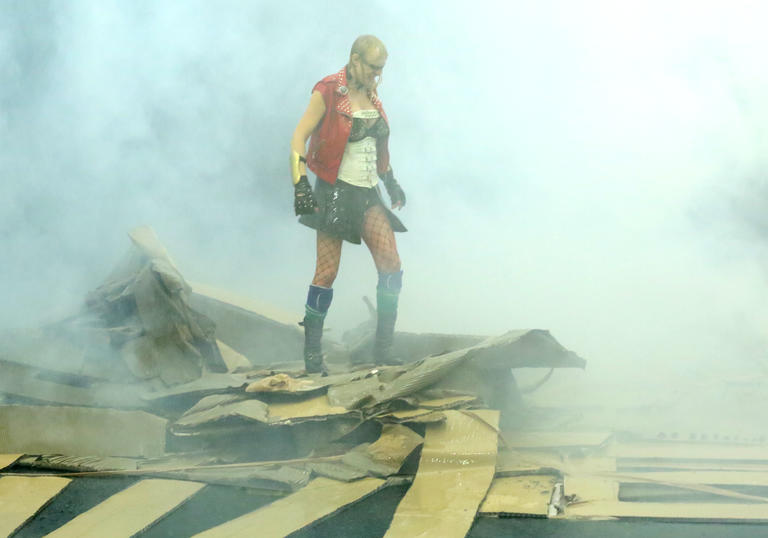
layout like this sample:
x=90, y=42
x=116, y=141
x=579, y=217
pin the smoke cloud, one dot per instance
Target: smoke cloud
x=590, y=168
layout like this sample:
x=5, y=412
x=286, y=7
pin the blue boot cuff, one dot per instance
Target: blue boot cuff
x=319, y=298
x=390, y=281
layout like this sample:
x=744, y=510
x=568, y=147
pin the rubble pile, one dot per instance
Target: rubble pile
x=179, y=383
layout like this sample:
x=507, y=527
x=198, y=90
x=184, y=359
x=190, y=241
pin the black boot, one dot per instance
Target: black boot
x=313, y=336
x=318, y=302
x=387, y=294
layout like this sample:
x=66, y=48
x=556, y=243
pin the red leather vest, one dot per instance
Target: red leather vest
x=326, y=146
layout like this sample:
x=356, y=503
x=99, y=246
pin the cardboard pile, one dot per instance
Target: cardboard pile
x=187, y=386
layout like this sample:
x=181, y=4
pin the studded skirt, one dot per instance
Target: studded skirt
x=342, y=207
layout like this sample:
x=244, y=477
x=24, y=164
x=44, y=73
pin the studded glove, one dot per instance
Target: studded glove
x=303, y=201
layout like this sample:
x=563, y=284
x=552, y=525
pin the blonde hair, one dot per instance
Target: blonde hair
x=367, y=43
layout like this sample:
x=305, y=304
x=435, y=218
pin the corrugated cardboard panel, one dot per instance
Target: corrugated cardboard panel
x=560, y=439
x=457, y=464
x=317, y=406
x=385, y=456
x=130, y=511
x=322, y=497
x=699, y=477
x=521, y=461
x=21, y=497
x=697, y=511
x=591, y=488
x=81, y=431
x=629, y=465
x=688, y=451
x=528, y=495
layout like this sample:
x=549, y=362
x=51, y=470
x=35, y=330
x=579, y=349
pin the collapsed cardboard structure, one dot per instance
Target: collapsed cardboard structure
x=185, y=386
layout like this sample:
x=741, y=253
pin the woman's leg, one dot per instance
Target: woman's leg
x=380, y=239
x=319, y=300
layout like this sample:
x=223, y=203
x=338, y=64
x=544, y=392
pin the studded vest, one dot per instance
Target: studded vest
x=327, y=143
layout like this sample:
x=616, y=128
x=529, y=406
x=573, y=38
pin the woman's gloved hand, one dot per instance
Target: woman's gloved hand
x=303, y=201
x=395, y=191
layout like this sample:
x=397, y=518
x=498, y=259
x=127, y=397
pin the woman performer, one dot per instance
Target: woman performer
x=348, y=151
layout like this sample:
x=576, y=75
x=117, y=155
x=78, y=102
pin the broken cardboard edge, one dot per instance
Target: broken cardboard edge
x=235, y=425
x=7, y=460
x=266, y=311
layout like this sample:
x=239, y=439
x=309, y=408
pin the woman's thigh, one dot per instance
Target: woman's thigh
x=380, y=239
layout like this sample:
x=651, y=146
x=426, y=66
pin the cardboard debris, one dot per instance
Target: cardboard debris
x=226, y=387
x=237, y=406
x=82, y=353
x=321, y=498
x=79, y=463
x=456, y=469
x=413, y=416
x=21, y=497
x=386, y=455
x=234, y=361
x=31, y=384
x=520, y=496
x=701, y=512
x=80, y=431
x=513, y=349
x=130, y=511
x=146, y=292
x=6, y=460
x=210, y=383
x=278, y=478
x=259, y=332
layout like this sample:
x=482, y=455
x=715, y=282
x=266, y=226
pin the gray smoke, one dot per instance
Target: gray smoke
x=589, y=168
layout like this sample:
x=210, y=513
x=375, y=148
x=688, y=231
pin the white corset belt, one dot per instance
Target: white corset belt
x=358, y=164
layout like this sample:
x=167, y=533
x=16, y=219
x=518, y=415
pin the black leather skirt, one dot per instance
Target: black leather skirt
x=342, y=209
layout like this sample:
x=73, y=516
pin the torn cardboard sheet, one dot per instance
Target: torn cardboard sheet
x=260, y=332
x=521, y=462
x=512, y=349
x=412, y=416
x=6, y=460
x=80, y=431
x=558, y=439
x=386, y=455
x=455, y=472
x=520, y=496
x=207, y=384
x=688, y=451
x=79, y=463
x=321, y=498
x=279, y=478
x=47, y=349
x=680, y=511
x=146, y=291
x=287, y=384
x=234, y=361
x=33, y=384
x=130, y=511
x=21, y=497
x=222, y=407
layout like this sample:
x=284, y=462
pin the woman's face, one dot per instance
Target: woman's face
x=367, y=68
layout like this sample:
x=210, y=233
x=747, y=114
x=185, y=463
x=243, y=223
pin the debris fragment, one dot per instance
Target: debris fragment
x=455, y=471
x=21, y=497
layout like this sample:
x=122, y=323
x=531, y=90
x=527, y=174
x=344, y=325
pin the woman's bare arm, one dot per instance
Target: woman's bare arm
x=307, y=124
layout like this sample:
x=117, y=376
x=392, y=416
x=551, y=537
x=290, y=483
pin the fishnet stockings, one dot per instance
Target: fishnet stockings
x=328, y=257
x=377, y=234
